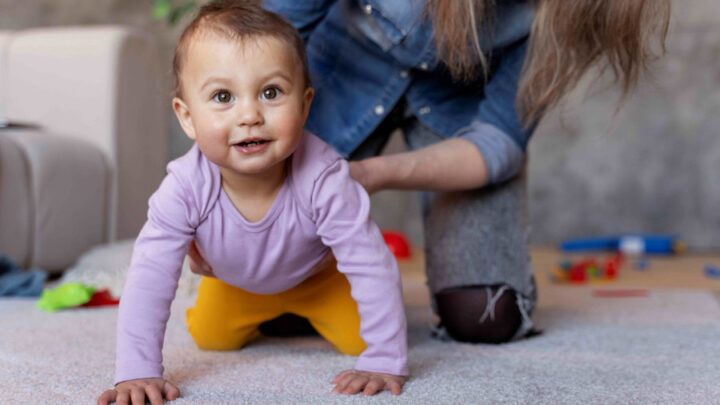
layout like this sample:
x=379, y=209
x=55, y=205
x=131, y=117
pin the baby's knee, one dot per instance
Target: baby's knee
x=209, y=336
x=351, y=346
x=465, y=315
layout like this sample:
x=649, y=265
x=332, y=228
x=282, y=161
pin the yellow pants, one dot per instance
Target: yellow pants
x=227, y=317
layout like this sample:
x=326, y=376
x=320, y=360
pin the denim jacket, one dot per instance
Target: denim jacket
x=365, y=55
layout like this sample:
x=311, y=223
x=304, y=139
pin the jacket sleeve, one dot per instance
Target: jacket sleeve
x=341, y=209
x=152, y=281
x=497, y=132
x=305, y=15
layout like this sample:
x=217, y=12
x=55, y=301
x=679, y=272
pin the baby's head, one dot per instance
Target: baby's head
x=242, y=86
x=238, y=20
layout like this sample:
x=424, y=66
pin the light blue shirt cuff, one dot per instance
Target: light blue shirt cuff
x=503, y=156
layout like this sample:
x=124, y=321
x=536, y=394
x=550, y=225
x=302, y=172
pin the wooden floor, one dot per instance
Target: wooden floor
x=680, y=271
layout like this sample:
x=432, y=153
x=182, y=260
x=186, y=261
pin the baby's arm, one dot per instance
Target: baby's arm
x=149, y=290
x=341, y=211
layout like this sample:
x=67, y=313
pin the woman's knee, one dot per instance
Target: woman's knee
x=478, y=314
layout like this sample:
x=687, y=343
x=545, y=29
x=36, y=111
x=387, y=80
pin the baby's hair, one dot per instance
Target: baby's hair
x=238, y=20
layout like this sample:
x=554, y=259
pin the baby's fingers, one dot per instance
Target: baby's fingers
x=123, y=398
x=344, y=381
x=395, y=387
x=171, y=392
x=138, y=396
x=154, y=394
x=375, y=385
x=340, y=376
x=356, y=385
x=107, y=397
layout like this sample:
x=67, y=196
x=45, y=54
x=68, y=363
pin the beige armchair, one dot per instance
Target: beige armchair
x=83, y=176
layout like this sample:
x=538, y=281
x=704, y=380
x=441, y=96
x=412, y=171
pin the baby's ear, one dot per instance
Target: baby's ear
x=183, y=115
x=307, y=100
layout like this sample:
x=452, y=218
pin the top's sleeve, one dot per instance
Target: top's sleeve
x=305, y=15
x=152, y=281
x=497, y=132
x=341, y=211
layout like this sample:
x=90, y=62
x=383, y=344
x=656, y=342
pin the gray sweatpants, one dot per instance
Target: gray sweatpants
x=472, y=238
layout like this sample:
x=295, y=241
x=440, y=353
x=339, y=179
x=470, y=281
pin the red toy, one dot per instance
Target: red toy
x=397, y=243
x=101, y=298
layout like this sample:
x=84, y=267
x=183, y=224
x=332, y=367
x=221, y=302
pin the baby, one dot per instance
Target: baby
x=271, y=208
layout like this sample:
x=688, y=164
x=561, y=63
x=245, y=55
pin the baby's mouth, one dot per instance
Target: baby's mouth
x=251, y=143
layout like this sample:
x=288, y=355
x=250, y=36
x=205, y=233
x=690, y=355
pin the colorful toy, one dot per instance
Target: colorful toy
x=74, y=295
x=101, y=298
x=628, y=244
x=587, y=270
x=65, y=296
x=397, y=243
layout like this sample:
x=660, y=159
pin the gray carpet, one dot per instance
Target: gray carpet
x=657, y=349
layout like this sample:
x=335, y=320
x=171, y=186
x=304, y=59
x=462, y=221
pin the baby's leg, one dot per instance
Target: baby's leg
x=324, y=299
x=227, y=317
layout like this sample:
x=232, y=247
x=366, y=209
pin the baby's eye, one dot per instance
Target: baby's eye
x=270, y=93
x=222, y=96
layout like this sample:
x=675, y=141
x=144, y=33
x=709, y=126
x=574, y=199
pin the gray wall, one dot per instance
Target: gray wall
x=651, y=167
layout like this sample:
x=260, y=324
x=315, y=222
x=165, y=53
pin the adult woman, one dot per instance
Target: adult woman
x=450, y=74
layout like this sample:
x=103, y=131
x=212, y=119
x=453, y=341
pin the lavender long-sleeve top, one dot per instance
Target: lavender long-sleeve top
x=318, y=208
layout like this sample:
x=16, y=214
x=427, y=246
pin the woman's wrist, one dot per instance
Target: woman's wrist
x=454, y=164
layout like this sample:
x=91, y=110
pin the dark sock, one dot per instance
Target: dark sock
x=461, y=309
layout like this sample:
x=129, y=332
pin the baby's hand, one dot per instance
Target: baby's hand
x=134, y=392
x=354, y=381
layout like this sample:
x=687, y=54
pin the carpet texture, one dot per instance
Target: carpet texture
x=662, y=348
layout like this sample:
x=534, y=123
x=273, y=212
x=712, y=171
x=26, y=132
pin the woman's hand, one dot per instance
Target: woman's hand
x=354, y=381
x=361, y=171
x=134, y=392
x=198, y=265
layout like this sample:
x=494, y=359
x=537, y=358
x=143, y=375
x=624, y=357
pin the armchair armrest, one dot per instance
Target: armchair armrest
x=54, y=198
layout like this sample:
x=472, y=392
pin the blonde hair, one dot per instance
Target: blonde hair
x=567, y=39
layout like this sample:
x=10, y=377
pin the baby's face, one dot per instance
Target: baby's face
x=244, y=102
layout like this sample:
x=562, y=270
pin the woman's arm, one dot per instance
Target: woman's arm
x=453, y=164
x=488, y=151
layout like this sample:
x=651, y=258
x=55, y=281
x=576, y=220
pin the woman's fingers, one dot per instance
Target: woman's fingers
x=197, y=263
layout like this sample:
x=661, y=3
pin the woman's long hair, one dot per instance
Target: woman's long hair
x=568, y=37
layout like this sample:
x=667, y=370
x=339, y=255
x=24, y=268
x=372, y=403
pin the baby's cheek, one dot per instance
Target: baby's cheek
x=291, y=123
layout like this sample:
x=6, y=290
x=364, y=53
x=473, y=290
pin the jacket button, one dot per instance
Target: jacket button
x=379, y=109
x=424, y=110
x=368, y=9
x=403, y=73
x=424, y=66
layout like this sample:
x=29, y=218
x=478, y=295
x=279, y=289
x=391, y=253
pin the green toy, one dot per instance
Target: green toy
x=65, y=296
